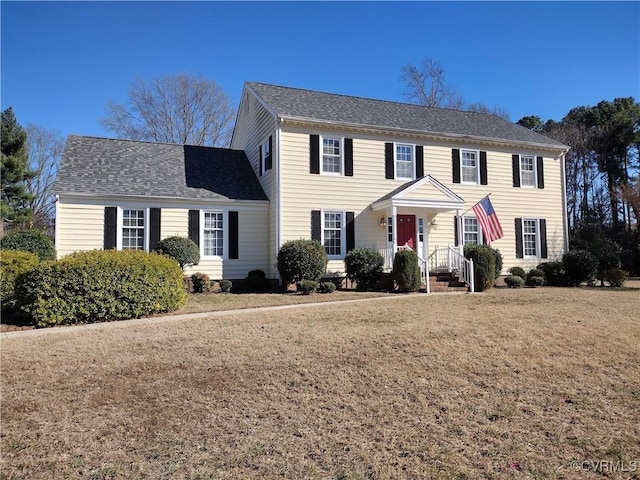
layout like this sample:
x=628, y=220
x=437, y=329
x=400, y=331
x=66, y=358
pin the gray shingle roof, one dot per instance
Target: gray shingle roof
x=329, y=107
x=103, y=166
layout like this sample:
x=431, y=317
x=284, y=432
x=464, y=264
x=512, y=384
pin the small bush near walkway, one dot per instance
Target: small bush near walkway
x=100, y=285
x=364, y=266
x=301, y=260
x=484, y=265
x=406, y=270
x=182, y=249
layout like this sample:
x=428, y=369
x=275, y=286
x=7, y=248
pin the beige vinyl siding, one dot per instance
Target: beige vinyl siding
x=80, y=225
x=302, y=192
x=254, y=125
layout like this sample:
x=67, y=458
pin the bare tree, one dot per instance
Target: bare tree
x=482, y=108
x=426, y=85
x=173, y=109
x=44, y=150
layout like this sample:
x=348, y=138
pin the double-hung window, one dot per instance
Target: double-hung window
x=530, y=237
x=332, y=155
x=527, y=171
x=471, y=231
x=404, y=161
x=213, y=234
x=266, y=156
x=133, y=229
x=332, y=232
x=469, y=166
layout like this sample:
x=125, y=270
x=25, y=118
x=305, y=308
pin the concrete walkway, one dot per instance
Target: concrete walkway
x=189, y=316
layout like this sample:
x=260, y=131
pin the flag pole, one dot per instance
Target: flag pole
x=470, y=208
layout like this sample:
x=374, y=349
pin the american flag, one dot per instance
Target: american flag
x=488, y=219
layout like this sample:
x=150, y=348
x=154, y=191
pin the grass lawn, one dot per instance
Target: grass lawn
x=508, y=384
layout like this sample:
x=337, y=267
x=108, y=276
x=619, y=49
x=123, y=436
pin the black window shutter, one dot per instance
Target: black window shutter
x=515, y=165
x=543, y=238
x=348, y=157
x=314, y=157
x=260, y=162
x=315, y=225
x=194, y=226
x=540, y=172
x=233, y=235
x=269, y=159
x=154, y=228
x=483, y=168
x=519, y=250
x=455, y=230
x=388, y=160
x=351, y=231
x=455, y=164
x=110, y=227
x=419, y=161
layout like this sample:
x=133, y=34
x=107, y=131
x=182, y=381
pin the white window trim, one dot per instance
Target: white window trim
x=395, y=160
x=537, y=255
x=535, y=171
x=263, y=147
x=225, y=234
x=480, y=233
x=343, y=232
x=341, y=160
x=120, y=224
x=462, y=167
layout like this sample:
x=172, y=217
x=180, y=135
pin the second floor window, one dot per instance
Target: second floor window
x=469, y=170
x=404, y=161
x=133, y=229
x=331, y=155
x=527, y=171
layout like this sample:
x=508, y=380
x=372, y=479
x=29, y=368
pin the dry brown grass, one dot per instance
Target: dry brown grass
x=508, y=384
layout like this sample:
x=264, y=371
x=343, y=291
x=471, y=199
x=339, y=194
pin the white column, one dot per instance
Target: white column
x=394, y=214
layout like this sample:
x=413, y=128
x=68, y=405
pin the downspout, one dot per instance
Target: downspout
x=565, y=219
x=55, y=226
x=278, y=185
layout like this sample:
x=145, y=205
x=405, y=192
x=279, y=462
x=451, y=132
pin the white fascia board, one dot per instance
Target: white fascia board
x=200, y=202
x=443, y=205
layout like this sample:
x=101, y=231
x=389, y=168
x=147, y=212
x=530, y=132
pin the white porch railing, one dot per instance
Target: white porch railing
x=389, y=254
x=451, y=259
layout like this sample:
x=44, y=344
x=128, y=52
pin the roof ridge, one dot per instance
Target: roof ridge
x=97, y=137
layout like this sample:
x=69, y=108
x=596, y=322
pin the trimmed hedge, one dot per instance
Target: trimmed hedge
x=579, y=266
x=182, y=249
x=33, y=241
x=518, y=272
x=327, y=287
x=406, y=270
x=364, y=266
x=484, y=265
x=301, y=260
x=514, y=281
x=535, y=281
x=553, y=273
x=307, y=287
x=12, y=264
x=225, y=286
x=100, y=285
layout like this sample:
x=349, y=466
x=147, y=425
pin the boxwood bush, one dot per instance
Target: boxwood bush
x=100, y=285
x=34, y=241
x=182, y=249
x=307, y=287
x=579, y=266
x=327, y=287
x=553, y=273
x=484, y=265
x=514, y=281
x=12, y=264
x=364, y=266
x=225, y=286
x=518, y=272
x=301, y=260
x=406, y=270
x=534, y=281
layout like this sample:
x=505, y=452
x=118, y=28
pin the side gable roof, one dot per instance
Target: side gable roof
x=293, y=103
x=110, y=167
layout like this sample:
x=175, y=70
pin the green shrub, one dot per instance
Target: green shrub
x=100, y=285
x=257, y=273
x=484, y=266
x=12, y=264
x=200, y=282
x=188, y=284
x=406, y=270
x=306, y=287
x=535, y=272
x=535, y=281
x=327, y=287
x=514, y=281
x=181, y=249
x=553, y=273
x=497, y=256
x=579, y=266
x=34, y=241
x=364, y=266
x=301, y=260
x=255, y=283
x=518, y=272
x=225, y=286
x=616, y=277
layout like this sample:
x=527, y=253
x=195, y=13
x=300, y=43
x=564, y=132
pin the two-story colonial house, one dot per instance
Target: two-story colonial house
x=345, y=170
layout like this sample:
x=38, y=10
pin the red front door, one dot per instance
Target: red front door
x=407, y=231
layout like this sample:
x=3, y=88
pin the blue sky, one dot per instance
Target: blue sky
x=62, y=62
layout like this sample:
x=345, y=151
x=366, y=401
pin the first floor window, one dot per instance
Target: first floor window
x=471, y=230
x=469, y=160
x=404, y=161
x=332, y=233
x=530, y=237
x=331, y=155
x=133, y=229
x=213, y=234
x=527, y=171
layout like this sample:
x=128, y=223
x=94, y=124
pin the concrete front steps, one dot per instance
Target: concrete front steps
x=446, y=282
